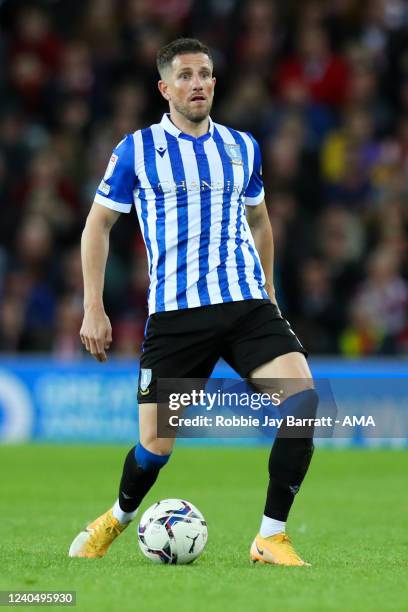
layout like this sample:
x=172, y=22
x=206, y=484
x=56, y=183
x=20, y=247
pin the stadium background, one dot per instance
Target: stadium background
x=323, y=86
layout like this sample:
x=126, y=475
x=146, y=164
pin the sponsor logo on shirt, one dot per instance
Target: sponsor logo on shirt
x=194, y=186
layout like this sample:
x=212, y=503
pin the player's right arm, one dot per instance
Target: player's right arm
x=96, y=330
x=114, y=196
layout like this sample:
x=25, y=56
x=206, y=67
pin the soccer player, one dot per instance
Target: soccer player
x=198, y=192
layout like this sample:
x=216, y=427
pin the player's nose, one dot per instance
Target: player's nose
x=197, y=83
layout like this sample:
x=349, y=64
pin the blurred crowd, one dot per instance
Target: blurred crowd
x=322, y=85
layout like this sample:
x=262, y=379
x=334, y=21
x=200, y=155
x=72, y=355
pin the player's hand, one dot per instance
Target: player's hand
x=96, y=332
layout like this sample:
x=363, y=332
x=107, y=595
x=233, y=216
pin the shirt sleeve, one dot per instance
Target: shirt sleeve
x=115, y=191
x=255, y=193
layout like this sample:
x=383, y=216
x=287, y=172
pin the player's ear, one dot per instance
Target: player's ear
x=162, y=85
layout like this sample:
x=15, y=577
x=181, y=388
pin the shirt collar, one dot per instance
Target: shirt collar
x=169, y=126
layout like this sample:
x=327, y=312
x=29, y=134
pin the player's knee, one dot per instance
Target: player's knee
x=151, y=461
x=301, y=405
x=158, y=446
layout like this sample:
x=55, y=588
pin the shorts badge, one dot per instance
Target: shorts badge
x=145, y=380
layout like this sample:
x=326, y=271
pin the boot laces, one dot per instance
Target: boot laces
x=104, y=533
x=285, y=539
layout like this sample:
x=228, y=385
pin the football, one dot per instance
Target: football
x=172, y=531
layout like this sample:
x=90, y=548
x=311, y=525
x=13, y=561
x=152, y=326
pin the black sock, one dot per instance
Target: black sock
x=135, y=483
x=288, y=463
x=290, y=456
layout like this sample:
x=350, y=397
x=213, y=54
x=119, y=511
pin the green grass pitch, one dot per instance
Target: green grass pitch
x=349, y=520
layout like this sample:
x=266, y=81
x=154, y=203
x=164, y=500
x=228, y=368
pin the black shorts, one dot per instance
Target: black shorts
x=188, y=343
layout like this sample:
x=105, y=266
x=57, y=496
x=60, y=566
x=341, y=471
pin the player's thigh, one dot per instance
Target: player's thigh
x=178, y=345
x=292, y=367
x=148, y=414
x=260, y=336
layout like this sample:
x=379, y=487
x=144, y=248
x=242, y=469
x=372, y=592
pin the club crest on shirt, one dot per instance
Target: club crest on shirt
x=145, y=379
x=234, y=153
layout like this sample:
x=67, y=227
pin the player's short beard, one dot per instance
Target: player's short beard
x=197, y=117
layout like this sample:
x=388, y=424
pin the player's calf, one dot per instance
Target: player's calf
x=289, y=462
x=140, y=472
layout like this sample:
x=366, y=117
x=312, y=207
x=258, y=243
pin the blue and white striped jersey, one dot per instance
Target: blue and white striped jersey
x=190, y=196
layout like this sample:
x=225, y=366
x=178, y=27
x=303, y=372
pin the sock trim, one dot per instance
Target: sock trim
x=148, y=460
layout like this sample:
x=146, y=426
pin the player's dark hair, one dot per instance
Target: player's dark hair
x=180, y=46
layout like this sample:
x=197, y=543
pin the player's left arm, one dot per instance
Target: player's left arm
x=261, y=229
x=258, y=218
